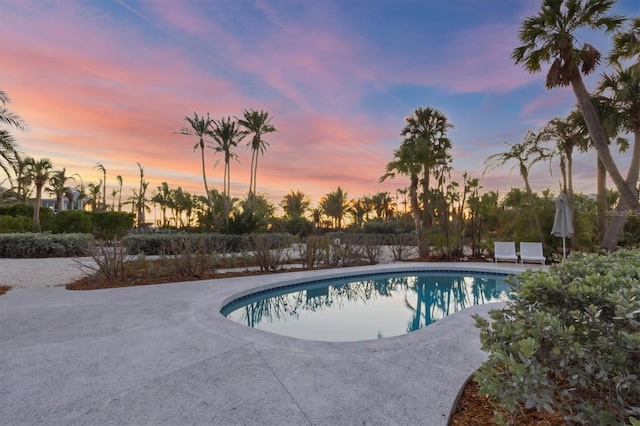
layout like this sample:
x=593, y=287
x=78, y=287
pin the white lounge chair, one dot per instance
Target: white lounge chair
x=505, y=250
x=532, y=252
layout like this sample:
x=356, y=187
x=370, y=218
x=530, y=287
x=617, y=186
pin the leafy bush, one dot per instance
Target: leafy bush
x=403, y=246
x=32, y=245
x=270, y=250
x=569, y=341
x=15, y=224
x=160, y=243
x=109, y=257
x=69, y=221
x=192, y=255
x=109, y=225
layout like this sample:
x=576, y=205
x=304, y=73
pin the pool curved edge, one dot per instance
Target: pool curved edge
x=456, y=321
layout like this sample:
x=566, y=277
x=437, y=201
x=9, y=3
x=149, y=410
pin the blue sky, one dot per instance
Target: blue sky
x=110, y=81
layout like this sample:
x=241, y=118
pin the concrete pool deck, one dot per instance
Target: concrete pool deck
x=163, y=354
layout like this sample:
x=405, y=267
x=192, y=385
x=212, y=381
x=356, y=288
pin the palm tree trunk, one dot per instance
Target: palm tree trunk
x=415, y=207
x=525, y=176
x=628, y=193
x=601, y=199
x=204, y=176
x=598, y=137
x=36, y=209
x=622, y=212
x=570, y=195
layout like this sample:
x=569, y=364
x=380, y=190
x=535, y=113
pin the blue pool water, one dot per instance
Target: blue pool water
x=367, y=306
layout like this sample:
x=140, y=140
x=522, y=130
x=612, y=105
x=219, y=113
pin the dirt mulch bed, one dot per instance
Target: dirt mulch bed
x=475, y=410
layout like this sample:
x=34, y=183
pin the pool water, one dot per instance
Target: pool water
x=365, y=307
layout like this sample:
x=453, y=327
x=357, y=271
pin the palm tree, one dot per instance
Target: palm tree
x=424, y=150
x=162, y=197
x=6, y=116
x=8, y=153
x=525, y=154
x=58, y=181
x=100, y=167
x=623, y=88
x=200, y=126
x=335, y=205
x=257, y=123
x=94, y=195
x=39, y=172
x=550, y=37
x=295, y=204
x=227, y=135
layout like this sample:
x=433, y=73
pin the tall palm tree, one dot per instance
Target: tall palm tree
x=406, y=162
x=257, y=124
x=94, y=195
x=162, y=197
x=422, y=153
x=295, y=204
x=200, y=127
x=58, y=187
x=119, y=179
x=551, y=37
x=227, y=135
x=39, y=172
x=100, y=167
x=335, y=205
x=623, y=90
x=525, y=154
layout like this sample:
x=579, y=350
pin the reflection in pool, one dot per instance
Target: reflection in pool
x=365, y=307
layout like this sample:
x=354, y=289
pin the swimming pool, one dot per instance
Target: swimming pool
x=365, y=306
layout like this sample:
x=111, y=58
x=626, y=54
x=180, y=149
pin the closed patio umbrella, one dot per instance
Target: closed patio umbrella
x=562, y=223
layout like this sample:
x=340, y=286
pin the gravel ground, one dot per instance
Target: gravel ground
x=38, y=273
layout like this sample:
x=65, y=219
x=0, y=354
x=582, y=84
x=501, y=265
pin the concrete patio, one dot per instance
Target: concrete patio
x=163, y=354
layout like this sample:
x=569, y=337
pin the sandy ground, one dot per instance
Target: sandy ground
x=38, y=273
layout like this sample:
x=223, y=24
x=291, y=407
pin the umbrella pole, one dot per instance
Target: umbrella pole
x=564, y=250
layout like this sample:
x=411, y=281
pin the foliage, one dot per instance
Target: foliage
x=72, y=221
x=270, y=250
x=160, y=243
x=35, y=245
x=15, y=224
x=192, y=256
x=109, y=258
x=111, y=225
x=403, y=246
x=568, y=341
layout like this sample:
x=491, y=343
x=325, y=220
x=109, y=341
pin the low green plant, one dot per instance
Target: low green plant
x=112, y=225
x=192, y=256
x=109, y=258
x=33, y=245
x=9, y=224
x=270, y=251
x=403, y=246
x=569, y=341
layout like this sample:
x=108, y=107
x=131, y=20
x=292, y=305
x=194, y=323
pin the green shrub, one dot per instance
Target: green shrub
x=70, y=221
x=112, y=225
x=15, y=224
x=33, y=245
x=569, y=341
x=161, y=243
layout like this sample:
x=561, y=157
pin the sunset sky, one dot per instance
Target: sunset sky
x=110, y=81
